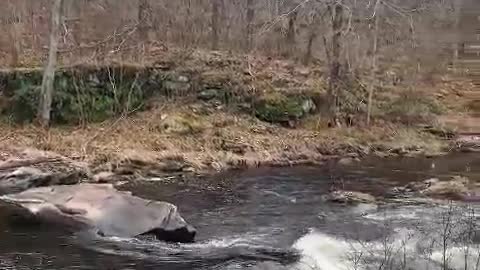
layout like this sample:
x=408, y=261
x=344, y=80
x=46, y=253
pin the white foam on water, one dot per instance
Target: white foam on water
x=459, y=258
x=240, y=241
x=402, y=213
x=364, y=209
x=388, y=216
x=322, y=252
x=132, y=247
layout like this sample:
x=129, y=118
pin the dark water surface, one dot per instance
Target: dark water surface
x=245, y=220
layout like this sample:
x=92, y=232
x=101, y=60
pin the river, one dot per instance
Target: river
x=275, y=218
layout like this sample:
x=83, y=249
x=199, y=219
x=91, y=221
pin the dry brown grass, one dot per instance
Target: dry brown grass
x=141, y=137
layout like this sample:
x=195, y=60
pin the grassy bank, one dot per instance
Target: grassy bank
x=214, y=141
x=215, y=111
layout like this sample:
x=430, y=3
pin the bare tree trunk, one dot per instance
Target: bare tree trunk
x=49, y=73
x=215, y=23
x=224, y=18
x=78, y=25
x=277, y=12
x=144, y=16
x=187, y=36
x=312, y=35
x=456, y=42
x=15, y=42
x=33, y=26
x=335, y=66
x=308, y=53
x=250, y=18
x=15, y=36
x=291, y=33
x=373, y=68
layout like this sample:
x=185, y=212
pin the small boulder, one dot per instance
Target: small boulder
x=235, y=147
x=349, y=197
x=24, y=178
x=177, y=84
x=308, y=105
x=170, y=165
x=104, y=177
x=456, y=188
x=179, y=124
x=420, y=186
x=468, y=143
x=279, y=108
x=210, y=94
x=347, y=161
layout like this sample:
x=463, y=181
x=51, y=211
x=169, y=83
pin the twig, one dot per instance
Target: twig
x=269, y=25
x=6, y=136
x=125, y=113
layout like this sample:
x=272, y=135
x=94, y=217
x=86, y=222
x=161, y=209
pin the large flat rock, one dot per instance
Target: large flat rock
x=103, y=209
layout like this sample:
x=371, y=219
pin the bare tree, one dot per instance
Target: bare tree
x=373, y=67
x=78, y=7
x=408, y=30
x=315, y=17
x=14, y=34
x=337, y=15
x=250, y=18
x=291, y=32
x=144, y=21
x=215, y=23
x=15, y=49
x=49, y=73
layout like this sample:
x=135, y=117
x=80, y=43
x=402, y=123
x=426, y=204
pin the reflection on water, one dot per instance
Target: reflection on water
x=258, y=219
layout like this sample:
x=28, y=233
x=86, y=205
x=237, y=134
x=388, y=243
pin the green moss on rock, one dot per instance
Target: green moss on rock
x=279, y=108
x=82, y=94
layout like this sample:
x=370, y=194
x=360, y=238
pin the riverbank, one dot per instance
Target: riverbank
x=213, y=111
x=159, y=141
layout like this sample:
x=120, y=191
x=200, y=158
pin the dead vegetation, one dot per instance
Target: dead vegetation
x=322, y=79
x=219, y=140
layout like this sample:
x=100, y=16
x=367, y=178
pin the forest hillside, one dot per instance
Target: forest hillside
x=215, y=84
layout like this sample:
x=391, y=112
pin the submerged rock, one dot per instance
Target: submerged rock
x=349, y=197
x=103, y=209
x=455, y=189
x=420, y=186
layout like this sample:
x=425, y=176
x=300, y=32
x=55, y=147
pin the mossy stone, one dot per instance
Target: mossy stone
x=278, y=108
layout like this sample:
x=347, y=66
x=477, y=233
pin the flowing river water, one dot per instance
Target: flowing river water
x=276, y=218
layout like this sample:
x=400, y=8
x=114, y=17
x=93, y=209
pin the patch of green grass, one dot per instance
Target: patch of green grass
x=412, y=108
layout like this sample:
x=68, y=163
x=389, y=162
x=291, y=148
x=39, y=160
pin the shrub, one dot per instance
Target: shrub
x=413, y=108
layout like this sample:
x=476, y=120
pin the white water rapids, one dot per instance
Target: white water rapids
x=427, y=238
x=414, y=241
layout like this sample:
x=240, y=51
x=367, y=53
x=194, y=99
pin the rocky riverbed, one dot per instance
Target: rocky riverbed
x=282, y=218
